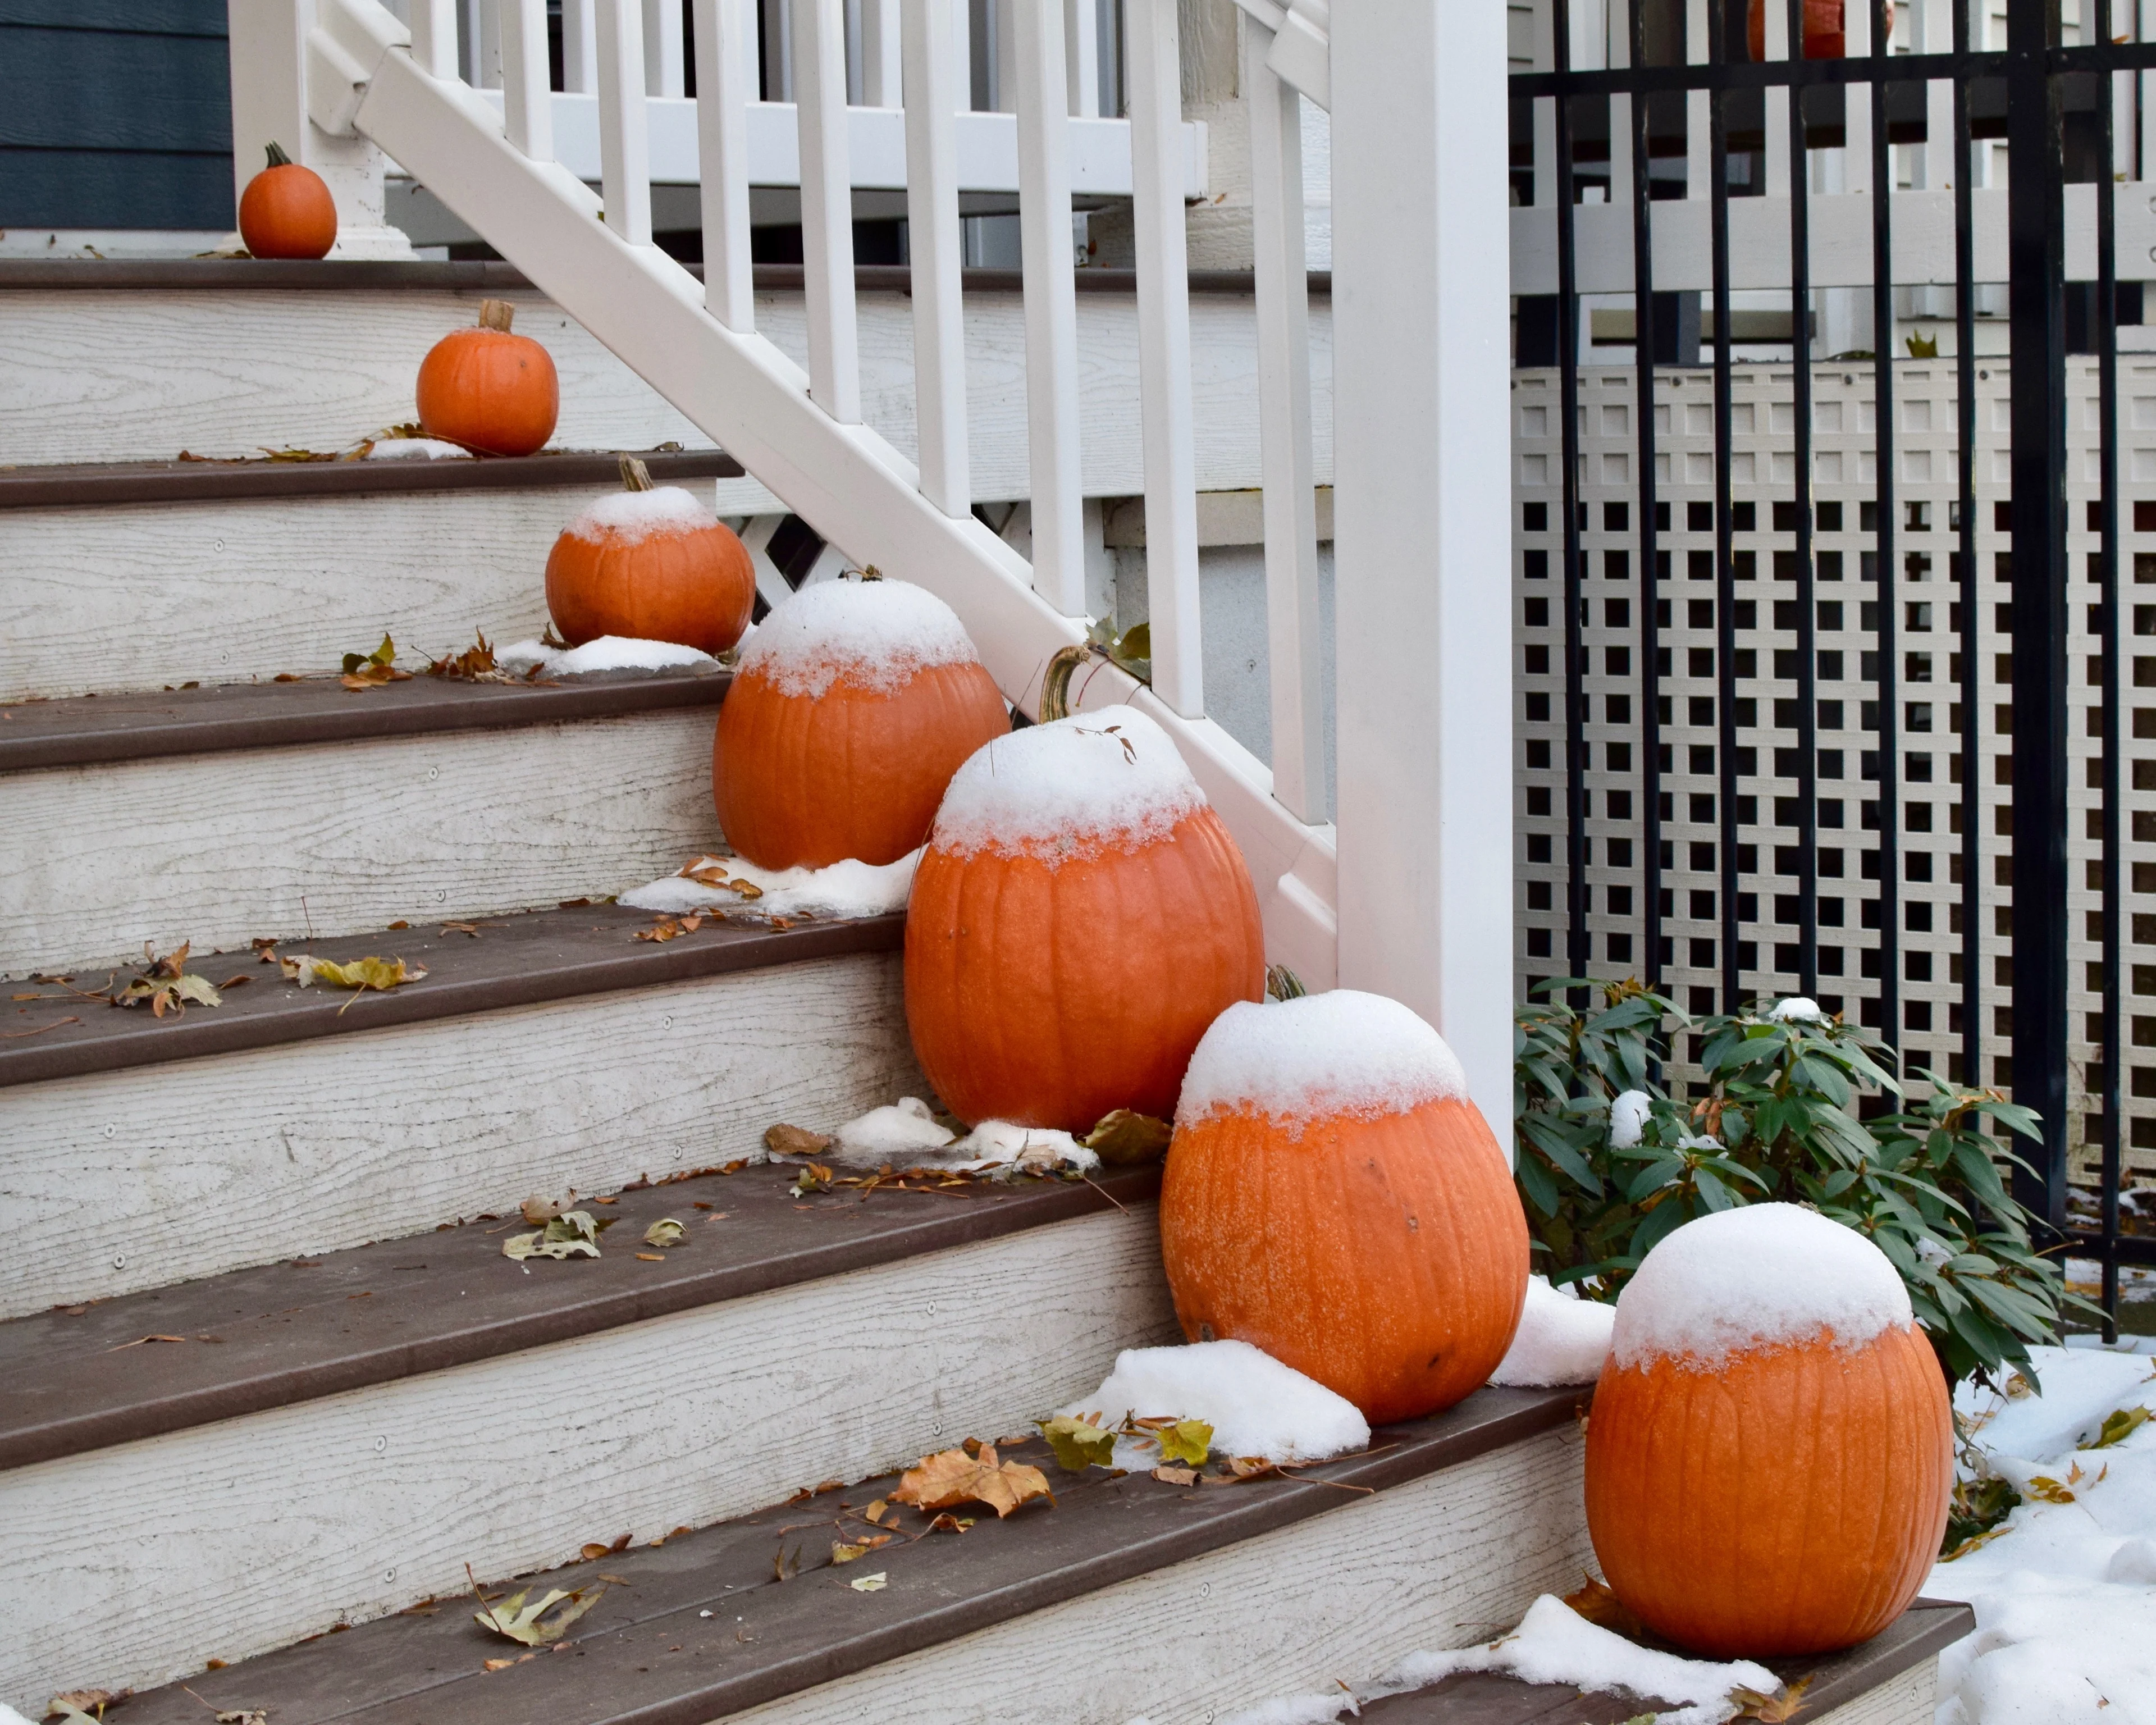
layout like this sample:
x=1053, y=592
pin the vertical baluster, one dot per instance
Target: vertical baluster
x=856, y=72
x=1289, y=469
x=527, y=103
x=827, y=215
x=1002, y=42
x=881, y=54
x=932, y=73
x=777, y=60
x=486, y=44
x=1041, y=93
x=1081, y=55
x=434, y=37
x=1856, y=104
x=1171, y=482
x=724, y=68
x=1545, y=107
x=624, y=137
x=663, y=70
x=580, y=47
x=1698, y=107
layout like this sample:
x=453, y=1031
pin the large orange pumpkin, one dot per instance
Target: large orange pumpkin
x=1332, y=1197
x=1771, y=1448
x=851, y=707
x=1824, y=28
x=1079, y=918
x=654, y=564
x=488, y=388
x=287, y=212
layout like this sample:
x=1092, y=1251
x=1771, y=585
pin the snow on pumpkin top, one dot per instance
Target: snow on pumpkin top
x=1761, y=1276
x=1343, y=1052
x=876, y=634
x=631, y=517
x=1068, y=789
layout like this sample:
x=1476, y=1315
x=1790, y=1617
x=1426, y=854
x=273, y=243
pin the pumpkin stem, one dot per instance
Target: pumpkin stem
x=1283, y=983
x=496, y=314
x=872, y=573
x=278, y=158
x=635, y=476
x=1055, y=684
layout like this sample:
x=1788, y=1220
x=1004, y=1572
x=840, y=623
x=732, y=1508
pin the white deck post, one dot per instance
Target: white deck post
x=1423, y=507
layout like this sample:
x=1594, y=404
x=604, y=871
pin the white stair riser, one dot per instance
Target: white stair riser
x=131, y=1566
x=1442, y=1562
x=1911, y=1699
x=127, y=377
x=219, y=848
x=320, y=1145
x=147, y=596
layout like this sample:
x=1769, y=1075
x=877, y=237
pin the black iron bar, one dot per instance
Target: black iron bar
x=2035, y=244
x=1901, y=69
x=1801, y=372
x=1725, y=573
x=1575, y=691
x=1887, y=755
x=1969, y=637
x=1643, y=337
x=2110, y=1050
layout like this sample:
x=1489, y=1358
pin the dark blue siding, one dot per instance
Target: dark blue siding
x=115, y=114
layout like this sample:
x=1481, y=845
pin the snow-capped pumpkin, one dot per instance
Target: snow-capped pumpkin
x=488, y=388
x=286, y=211
x=1333, y=1196
x=1771, y=1448
x=653, y=563
x=1080, y=916
x=1824, y=28
x=852, y=706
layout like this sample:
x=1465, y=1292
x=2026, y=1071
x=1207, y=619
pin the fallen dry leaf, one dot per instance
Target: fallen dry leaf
x=845, y=1551
x=1771, y=1709
x=669, y=928
x=1176, y=1476
x=783, y=1140
x=572, y=1235
x=536, y=1209
x=86, y=1703
x=528, y=1625
x=359, y=975
x=651, y=1257
x=1124, y=1138
x=1187, y=1440
x=873, y=1512
x=814, y=1177
x=952, y=1476
x=664, y=1232
x=475, y=664
x=874, y=1584
x=448, y=928
x=1079, y=1444
x=371, y=670
x=168, y=984
x=497, y=1665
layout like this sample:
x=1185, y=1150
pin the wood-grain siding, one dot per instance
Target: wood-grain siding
x=119, y=377
x=1444, y=1560
x=219, y=848
x=107, y=1181
x=134, y=1565
x=1912, y=1698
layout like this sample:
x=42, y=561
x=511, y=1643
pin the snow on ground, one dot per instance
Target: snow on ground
x=1255, y=1405
x=2065, y=1590
x=413, y=449
x=1553, y=1644
x=608, y=653
x=844, y=889
x=1561, y=1339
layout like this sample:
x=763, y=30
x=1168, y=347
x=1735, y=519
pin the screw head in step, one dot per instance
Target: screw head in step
x=380, y=1445
x=433, y=772
x=120, y=1261
x=666, y=1022
x=389, y=1575
x=112, y=1129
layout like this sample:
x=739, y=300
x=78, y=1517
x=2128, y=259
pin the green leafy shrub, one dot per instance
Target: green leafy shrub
x=1609, y=1162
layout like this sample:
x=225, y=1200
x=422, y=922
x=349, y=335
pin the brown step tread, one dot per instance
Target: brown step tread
x=86, y=729
x=764, y=1640
x=1836, y=1679
x=104, y=484
x=82, y=1377
x=515, y=960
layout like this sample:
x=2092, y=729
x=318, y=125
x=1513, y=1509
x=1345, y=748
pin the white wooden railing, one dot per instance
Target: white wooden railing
x=1411, y=895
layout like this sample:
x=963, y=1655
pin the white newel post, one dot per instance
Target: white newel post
x=268, y=51
x=1423, y=506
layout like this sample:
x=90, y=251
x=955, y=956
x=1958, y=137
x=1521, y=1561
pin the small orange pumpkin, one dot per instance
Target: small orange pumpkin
x=1332, y=1197
x=851, y=707
x=488, y=388
x=1080, y=916
x=1825, y=27
x=652, y=563
x=287, y=212
x=1771, y=1451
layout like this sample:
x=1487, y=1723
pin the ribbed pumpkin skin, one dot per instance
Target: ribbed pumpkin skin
x=287, y=212
x=1790, y=1502
x=805, y=781
x=1387, y=1258
x=1052, y=997
x=493, y=391
x=693, y=586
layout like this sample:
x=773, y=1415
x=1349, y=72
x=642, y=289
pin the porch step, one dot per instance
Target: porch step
x=1129, y=1596
x=214, y=570
x=336, y=1438
x=209, y=815
x=551, y=1051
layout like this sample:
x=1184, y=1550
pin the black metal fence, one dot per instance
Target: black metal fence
x=2053, y=104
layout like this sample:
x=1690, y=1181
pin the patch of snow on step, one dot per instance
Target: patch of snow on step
x=2065, y=1590
x=1255, y=1405
x=1553, y=1644
x=412, y=449
x=851, y=888
x=608, y=653
x=906, y=1134
x=1561, y=1339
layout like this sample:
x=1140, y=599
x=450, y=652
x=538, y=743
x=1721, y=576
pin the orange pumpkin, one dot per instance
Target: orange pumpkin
x=488, y=388
x=1334, y=1197
x=851, y=707
x=1771, y=1449
x=287, y=212
x=652, y=563
x=1825, y=37
x=1080, y=916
